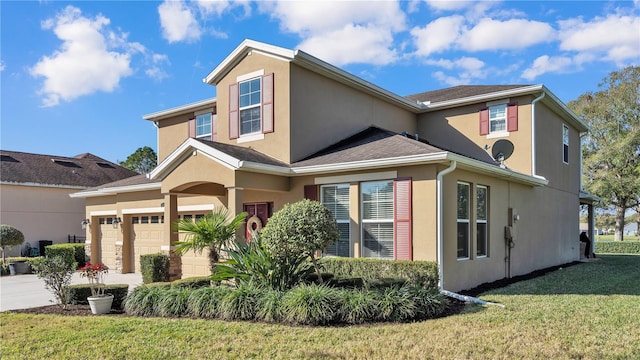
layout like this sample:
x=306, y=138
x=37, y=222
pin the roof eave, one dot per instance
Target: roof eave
x=178, y=110
x=493, y=170
x=116, y=190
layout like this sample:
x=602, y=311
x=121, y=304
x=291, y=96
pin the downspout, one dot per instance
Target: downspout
x=533, y=133
x=440, y=237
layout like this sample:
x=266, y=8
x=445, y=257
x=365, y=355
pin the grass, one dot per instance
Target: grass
x=586, y=311
x=625, y=237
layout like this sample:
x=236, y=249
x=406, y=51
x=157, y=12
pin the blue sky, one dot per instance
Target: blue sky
x=78, y=76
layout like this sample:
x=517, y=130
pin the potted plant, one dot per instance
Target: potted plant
x=99, y=302
x=9, y=237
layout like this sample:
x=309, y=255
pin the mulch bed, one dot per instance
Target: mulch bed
x=74, y=310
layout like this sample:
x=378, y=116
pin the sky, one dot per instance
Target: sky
x=78, y=76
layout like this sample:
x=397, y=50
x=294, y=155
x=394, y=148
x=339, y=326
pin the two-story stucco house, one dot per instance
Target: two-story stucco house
x=430, y=176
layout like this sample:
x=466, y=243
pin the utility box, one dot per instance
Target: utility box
x=42, y=244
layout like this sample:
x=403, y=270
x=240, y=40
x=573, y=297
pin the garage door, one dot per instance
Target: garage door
x=194, y=264
x=108, y=237
x=146, y=236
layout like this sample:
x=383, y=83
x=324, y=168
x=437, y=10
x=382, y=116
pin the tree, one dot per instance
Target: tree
x=212, y=232
x=142, y=161
x=9, y=236
x=611, y=150
x=300, y=229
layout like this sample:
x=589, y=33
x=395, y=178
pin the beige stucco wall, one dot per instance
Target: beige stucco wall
x=41, y=213
x=275, y=144
x=324, y=111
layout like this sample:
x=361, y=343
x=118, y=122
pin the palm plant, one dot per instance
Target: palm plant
x=212, y=232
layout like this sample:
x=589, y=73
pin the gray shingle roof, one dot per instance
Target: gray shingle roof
x=244, y=153
x=460, y=92
x=85, y=170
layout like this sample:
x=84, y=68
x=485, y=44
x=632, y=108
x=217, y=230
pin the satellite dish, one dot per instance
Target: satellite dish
x=502, y=150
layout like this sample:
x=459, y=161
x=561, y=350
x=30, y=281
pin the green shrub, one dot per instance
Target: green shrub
x=155, y=268
x=173, y=302
x=429, y=303
x=359, y=306
x=79, y=255
x=270, y=306
x=617, y=247
x=192, y=282
x=346, y=282
x=80, y=292
x=424, y=273
x=68, y=253
x=9, y=237
x=205, y=302
x=4, y=265
x=311, y=305
x=396, y=304
x=240, y=303
x=143, y=301
x=56, y=272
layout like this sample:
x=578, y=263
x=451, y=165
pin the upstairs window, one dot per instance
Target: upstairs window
x=499, y=119
x=203, y=126
x=251, y=106
x=250, y=99
x=565, y=144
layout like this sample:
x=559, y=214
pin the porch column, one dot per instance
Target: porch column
x=234, y=205
x=171, y=236
x=92, y=245
x=591, y=224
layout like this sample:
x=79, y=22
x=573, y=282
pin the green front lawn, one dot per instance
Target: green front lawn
x=587, y=311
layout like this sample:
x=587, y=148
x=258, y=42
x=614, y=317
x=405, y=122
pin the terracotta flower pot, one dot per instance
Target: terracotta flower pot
x=100, y=304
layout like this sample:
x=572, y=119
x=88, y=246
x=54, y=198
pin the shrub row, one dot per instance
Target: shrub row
x=618, y=247
x=71, y=252
x=79, y=294
x=303, y=305
x=424, y=273
x=4, y=266
x=188, y=283
x=154, y=268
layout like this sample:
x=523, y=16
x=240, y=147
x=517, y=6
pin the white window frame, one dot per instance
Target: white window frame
x=565, y=143
x=205, y=136
x=340, y=221
x=483, y=221
x=492, y=120
x=464, y=221
x=241, y=109
x=364, y=221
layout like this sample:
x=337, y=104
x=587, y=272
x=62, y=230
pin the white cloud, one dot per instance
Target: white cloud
x=448, y=5
x=84, y=63
x=545, y=64
x=178, y=22
x=490, y=34
x=466, y=70
x=155, y=71
x=1, y=65
x=352, y=44
x=342, y=32
x=616, y=37
x=438, y=35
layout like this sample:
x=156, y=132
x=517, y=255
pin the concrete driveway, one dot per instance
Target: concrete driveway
x=27, y=291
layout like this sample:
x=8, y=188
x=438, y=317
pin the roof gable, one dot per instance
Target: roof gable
x=82, y=171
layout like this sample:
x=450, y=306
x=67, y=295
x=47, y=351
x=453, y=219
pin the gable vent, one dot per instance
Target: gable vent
x=66, y=163
x=8, y=158
x=105, y=165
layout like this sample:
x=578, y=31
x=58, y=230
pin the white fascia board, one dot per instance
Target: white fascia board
x=314, y=64
x=494, y=170
x=116, y=190
x=179, y=110
x=264, y=168
x=187, y=149
x=377, y=163
x=484, y=97
x=240, y=52
x=32, y=184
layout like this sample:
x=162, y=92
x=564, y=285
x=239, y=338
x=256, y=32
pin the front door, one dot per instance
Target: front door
x=262, y=211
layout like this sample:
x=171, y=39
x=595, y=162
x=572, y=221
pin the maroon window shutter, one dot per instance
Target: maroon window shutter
x=402, y=220
x=192, y=127
x=267, y=103
x=311, y=192
x=234, y=119
x=214, y=127
x=484, y=121
x=512, y=117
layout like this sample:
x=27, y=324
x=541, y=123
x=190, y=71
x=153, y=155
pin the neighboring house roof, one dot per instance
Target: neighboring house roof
x=82, y=171
x=460, y=92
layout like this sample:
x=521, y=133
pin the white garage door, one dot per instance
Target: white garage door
x=194, y=264
x=146, y=236
x=108, y=237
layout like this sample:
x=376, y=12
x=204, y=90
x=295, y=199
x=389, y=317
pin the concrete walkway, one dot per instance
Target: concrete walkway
x=27, y=291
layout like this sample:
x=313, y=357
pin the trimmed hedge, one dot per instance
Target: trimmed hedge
x=192, y=282
x=79, y=294
x=618, y=247
x=73, y=251
x=155, y=268
x=424, y=273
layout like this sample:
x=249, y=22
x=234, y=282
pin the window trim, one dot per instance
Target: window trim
x=375, y=221
x=208, y=136
x=341, y=221
x=464, y=221
x=249, y=107
x=565, y=144
x=483, y=221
